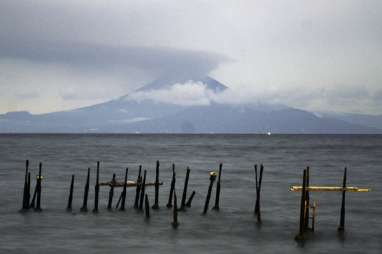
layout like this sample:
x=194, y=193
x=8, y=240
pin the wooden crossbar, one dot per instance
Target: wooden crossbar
x=297, y=188
x=128, y=184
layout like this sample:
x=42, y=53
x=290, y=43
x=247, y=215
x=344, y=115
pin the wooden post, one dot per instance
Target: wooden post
x=341, y=227
x=38, y=188
x=33, y=201
x=111, y=193
x=147, y=207
x=28, y=190
x=123, y=201
x=169, y=203
x=175, y=222
x=188, y=204
x=25, y=204
x=84, y=207
x=96, y=191
x=212, y=179
x=217, y=198
x=138, y=187
x=183, y=203
x=142, y=191
x=70, y=199
x=119, y=200
x=300, y=235
x=306, y=222
x=258, y=191
x=156, y=202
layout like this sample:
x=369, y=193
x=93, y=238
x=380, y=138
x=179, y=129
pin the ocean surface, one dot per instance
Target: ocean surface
x=231, y=230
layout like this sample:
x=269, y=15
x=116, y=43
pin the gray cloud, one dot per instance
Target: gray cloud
x=154, y=61
x=317, y=52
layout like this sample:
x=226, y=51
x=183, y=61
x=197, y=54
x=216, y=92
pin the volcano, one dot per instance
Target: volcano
x=128, y=115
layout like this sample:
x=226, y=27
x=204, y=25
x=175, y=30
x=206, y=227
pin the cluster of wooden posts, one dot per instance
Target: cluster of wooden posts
x=141, y=201
x=305, y=203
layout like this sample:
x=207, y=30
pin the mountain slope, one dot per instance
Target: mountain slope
x=127, y=115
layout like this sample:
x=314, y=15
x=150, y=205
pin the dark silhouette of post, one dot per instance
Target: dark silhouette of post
x=25, y=193
x=212, y=179
x=143, y=189
x=300, y=235
x=183, y=202
x=258, y=191
x=84, y=207
x=138, y=187
x=147, y=207
x=33, y=201
x=123, y=201
x=189, y=202
x=96, y=191
x=70, y=199
x=156, y=201
x=111, y=193
x=307, y=199
x=217, y=198
x=341, y=227
x=28, y=191
x=175, y=222
x=38, y=188
x=169, y=203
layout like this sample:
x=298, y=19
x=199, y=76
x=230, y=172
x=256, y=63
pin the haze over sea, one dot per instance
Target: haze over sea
x=231, y=230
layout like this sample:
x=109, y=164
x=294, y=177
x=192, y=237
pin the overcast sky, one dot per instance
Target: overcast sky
x=316, y=55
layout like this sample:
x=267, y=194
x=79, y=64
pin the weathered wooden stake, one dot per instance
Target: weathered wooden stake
x=217, y=198
x=111, y=193
x=189, y=202
x=307, y=199
x=300, y=235
x=138, y=187
x=258, y=191
x=119, y=200
x=156, y=202
x=70, y=199
x=212, y=179
x=175, y=222
x=147, y=207
x=123, y=201
x=25, y=202
x=169, y=203
x=341, y=227
x=33, y=201
x=84, y=207
x=96, y=191
x=28, y=190
x=38, y=188
x=183, y=202
x=141, y=199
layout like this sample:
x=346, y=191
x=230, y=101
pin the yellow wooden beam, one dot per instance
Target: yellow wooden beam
x=296, y=188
